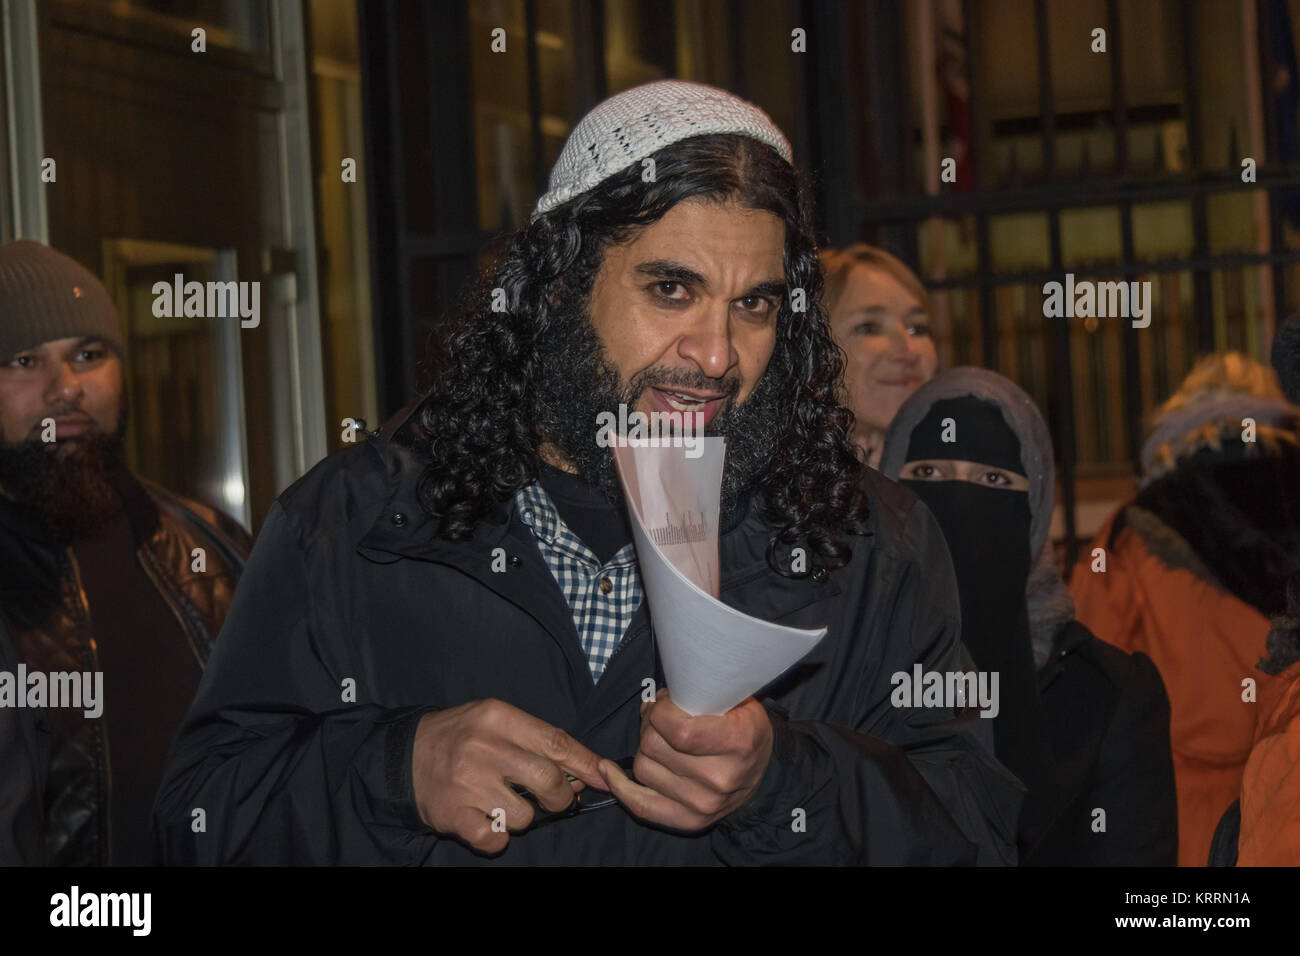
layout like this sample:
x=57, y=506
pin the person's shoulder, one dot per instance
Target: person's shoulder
x=896, y=518
x=213, y=521
x=365, y=475
x=1126, y=673
x=346, y=484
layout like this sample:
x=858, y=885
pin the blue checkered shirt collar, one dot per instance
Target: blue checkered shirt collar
x=601, y=617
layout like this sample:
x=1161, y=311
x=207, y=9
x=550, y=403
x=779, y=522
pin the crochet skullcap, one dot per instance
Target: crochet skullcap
x=628, y=127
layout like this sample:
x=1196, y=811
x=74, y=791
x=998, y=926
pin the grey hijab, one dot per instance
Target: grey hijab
x=1049, y=603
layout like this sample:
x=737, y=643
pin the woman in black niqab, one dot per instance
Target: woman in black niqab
x=1084, y=725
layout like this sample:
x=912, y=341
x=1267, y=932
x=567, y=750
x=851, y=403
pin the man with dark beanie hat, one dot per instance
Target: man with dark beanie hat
x=113, y=588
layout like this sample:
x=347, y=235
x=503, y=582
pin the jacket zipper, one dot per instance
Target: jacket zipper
x=106, y=817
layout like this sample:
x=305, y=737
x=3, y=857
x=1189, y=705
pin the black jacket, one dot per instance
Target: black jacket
x=21, y=773
x=44, y=615
x=346, y=581
x=1107, y=719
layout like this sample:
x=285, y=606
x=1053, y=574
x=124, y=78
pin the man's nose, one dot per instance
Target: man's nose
x=64, y=386
x=708, y=342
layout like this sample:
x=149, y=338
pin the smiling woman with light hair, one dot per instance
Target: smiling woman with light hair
x=880, y=316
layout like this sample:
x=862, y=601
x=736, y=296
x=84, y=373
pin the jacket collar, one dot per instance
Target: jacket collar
x=402, y=529
x=141, y=510
x=1069, y=638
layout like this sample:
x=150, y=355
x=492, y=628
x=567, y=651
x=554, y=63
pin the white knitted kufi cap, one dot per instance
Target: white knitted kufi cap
x=628, y=127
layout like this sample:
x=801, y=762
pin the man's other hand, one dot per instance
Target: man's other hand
x=693, y=771
x=466, y=758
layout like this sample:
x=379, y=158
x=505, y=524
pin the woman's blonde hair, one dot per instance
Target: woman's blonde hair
x=838, y=264
x=1213, y=379
x=1219, y=376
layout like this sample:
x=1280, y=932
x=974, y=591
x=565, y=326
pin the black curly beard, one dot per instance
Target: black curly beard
x=68, y=486
x=578, y=381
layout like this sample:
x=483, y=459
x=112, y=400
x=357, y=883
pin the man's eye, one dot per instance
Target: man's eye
x=921, y=330
x=665, y=290
x=758, y=304
x=23, y=361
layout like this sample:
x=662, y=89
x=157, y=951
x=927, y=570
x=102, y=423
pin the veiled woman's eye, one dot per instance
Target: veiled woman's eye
x=997, y=478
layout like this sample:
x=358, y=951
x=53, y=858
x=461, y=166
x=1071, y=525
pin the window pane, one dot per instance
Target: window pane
x=638, y=42
x=1162, y=230
x=346, y=334
x=1230, y=217
x=557, y=69
x=1083, y=119
x=1090, y=236
x=1152, y=50
x=1009, y=89
x=1019, y=242
x=234, y=24
x=502, y=134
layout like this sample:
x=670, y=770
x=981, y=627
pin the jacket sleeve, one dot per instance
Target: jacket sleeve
x=901, y=785
x=1135, y=776
x=1270, y=786
x=271, y=765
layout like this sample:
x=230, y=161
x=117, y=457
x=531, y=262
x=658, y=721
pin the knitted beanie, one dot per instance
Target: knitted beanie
x=45, y=295
x=627, y=128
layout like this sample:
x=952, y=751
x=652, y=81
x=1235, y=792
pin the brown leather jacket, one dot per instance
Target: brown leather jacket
x=43, y=609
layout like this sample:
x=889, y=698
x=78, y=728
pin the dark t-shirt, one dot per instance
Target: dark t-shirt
x=600, y=525
x=150, y=678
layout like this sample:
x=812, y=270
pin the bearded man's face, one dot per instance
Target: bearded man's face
x=76, y=384
x=682, y=318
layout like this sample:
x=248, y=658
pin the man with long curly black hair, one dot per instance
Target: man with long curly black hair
x=442, y=648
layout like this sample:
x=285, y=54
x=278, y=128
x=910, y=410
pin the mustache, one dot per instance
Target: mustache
x=658, y=377
x=75, y=415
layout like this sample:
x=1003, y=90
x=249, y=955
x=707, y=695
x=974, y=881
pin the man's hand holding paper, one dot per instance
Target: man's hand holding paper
x=693, y=771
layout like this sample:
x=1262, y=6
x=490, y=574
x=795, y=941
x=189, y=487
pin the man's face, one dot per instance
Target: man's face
x=683, y=317
x=66, y=483
x=687, y=310
x=77, y=382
